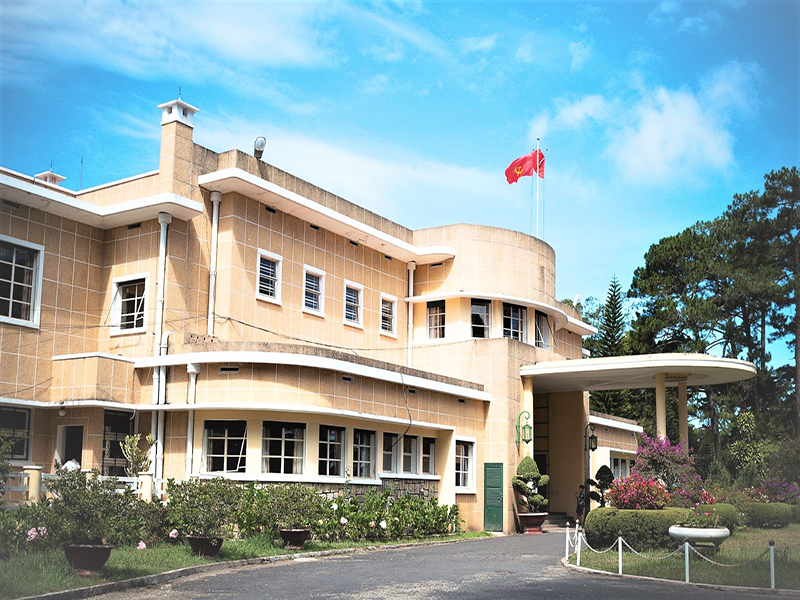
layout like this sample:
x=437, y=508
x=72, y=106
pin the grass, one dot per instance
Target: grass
x=742, y=547
x=43, y=572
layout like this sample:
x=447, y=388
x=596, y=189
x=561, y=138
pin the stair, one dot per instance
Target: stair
x=558, y=519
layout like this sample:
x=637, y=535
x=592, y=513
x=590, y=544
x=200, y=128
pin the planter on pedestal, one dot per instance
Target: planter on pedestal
x=87, y=559
x=531, y=522
x=700, y=535
x=294, y=538
x=204, y=546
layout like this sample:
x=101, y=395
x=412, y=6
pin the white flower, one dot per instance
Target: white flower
x=141, y=545
x=319, y=522
x=343, y=521
x=383, y=524
x=334, y=507
x=530, y=484
x=372, y=523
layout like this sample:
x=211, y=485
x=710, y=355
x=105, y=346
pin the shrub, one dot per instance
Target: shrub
x=527, y=482
x=783, y=481
x=636, y=492
x=643, y=529
x=203, y=506
x=795, y=513
x=296, y=505
x=718, y=515
x=602, y=481
x=672, y=465
x=768, y=515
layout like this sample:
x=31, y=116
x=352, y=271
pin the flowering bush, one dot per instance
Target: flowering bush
x=783, y=482
x=671, y=464
x=700, y=516
x=637, y=492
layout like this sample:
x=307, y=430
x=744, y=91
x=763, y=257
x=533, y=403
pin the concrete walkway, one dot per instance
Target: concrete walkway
x=507, y=567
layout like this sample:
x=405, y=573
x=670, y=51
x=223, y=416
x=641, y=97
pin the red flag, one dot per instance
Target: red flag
x=526, y=165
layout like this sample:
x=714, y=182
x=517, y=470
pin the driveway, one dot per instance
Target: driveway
x=508, y=567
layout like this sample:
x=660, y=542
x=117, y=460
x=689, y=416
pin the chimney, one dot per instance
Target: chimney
x=174, y=168
x=49, y=177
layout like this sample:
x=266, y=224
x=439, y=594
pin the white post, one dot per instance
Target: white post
x=686, y=559
x=578, y=561
x=216, y=198
x=619, y=549
x=566, y=542
x=412, y=266
x=772, y=564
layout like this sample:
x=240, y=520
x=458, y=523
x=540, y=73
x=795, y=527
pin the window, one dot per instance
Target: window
x=282, y=448
x=542, y=331
x=388, y=318
x=314, y=290
x=129, y=305
x=464, y=464
x=352, y=303
x=269, y=276
x=20, y=281
x=391, y=452
x=410, y=454
x=331, y=451
x=116, y=425
x=226, y=446
x=436, y=320
x=15, y=424
x=620, y=467
x=363, y=453
x=514, y=320
x=429, y=456
x=481, y=312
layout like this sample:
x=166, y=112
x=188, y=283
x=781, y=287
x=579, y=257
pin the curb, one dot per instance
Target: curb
x=711, y=586
x=158, y=578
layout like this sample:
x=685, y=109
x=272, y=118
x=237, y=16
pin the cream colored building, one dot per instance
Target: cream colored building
x=267, y=330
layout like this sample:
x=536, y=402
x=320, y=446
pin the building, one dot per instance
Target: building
x=265, y=329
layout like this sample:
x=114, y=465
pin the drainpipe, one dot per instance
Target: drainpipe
x=216, y=198
x=412, y=266
x=162, y=399
x=164, y=219
x=192, y=369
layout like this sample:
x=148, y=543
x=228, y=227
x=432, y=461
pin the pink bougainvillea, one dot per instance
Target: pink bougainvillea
x=637, y=492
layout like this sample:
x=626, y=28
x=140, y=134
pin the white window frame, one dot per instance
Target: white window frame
x=471, y=487
x=357, y=456
x=242, y=455
x=394, y=452
x=393, y=301
x=523, y=320
x=342, y=460
x=359, y=322
x=116, y=304
x=18, y=460
x=298, y=459
x=542, y=334
x=278, y=260
x=430, y=456
x=409, y=449
x=36, y=294
x=429, y=317
x=320, y=312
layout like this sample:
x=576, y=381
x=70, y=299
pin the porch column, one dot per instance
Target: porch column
x=527, y=405
x=661, y=405
x=34, y=474
x=683, y=420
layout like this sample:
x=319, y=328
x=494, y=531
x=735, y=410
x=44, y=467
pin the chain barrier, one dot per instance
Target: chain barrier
x=639, y=554
x=611, y=547
x=713, y=562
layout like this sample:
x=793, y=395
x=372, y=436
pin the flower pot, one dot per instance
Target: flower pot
x=532, y=522
x=700, y=535
x=294, y=538
x=87, y=559
x=204, y=546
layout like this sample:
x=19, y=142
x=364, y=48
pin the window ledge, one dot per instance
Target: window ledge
x=313, y=313
x=409, y=476
x=389, y=334
x=119, y=332
x=460, y=490
x=20, y=322
x=270, y=299
x=354, y=325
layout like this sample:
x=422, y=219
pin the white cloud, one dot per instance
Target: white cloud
x=580, y=53
x=391, y=52
x=525, y=52
x=665, y=12
x=730, y=90
x=701, y=24
x=570, y=115
x=478, y=44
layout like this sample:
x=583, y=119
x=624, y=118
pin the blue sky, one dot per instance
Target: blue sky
x=653, y=114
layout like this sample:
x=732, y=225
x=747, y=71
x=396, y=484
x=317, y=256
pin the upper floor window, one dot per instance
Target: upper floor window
x=15, y=425
x=363, y=453
x=352, y=303
x=226, y=446
x=436, y=320
x=481, y=314
x=20, y=281
x=331, y=451
x=314, y=290
x=129, y=304
x=283, y=447
x=542, y=331
x=269, y=276
x=388, y=314
x=514, y=322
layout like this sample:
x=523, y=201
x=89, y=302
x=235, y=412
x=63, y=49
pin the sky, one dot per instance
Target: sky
x=652, y=115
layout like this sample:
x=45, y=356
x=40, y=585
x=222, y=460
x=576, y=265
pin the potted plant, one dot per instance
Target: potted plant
x=203, y=511
x=700, y=527
x=297, y=506
x=80, y=513
x=526, y=484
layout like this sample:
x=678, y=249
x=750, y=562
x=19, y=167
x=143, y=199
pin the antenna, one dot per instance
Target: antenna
x=179, y=92
x=80, y=182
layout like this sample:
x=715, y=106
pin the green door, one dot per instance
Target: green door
x=493, y=496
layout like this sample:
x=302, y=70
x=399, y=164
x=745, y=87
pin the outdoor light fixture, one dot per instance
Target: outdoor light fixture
x=61, y=410
x=258, y=146
x=590, y=442
x=524, y=431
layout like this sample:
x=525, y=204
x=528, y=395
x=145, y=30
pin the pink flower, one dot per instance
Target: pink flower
x=173, y=534
x=141, y=545
x=32, y=534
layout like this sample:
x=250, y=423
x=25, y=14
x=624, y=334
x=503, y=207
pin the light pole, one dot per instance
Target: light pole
x=589, y=446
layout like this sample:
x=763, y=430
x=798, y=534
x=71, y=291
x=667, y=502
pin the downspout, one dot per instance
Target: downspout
x=162, y=399
x=216, y=198
x=412, y=266
x=192, y=369
x=157, y=424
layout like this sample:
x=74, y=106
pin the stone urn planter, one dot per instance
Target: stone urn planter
x=531, y=523
x=204, y=546
x=87, y=559
x=295, y=539
x=700, y=535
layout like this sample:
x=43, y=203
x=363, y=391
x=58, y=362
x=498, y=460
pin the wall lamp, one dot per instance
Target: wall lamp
x=589, y=441
x=258, y=146
x=524, y=432
x=61, y=410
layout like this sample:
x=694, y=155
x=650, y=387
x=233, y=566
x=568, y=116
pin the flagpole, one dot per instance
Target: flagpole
x=536, y=177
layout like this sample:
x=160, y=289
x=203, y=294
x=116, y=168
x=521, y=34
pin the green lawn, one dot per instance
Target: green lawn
x=742, y=547
x=43, y=572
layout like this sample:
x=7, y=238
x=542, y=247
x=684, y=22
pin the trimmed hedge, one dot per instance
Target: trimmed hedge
x=768, y=515
x=728, y=515
x=642, y=529
x=795, y=513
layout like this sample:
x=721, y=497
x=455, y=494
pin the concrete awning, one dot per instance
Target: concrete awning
x=635, y=372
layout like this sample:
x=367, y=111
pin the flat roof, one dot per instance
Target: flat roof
x=634, y=372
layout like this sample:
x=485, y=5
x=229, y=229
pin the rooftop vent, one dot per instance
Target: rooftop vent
x=179, y=111
x=50, y=177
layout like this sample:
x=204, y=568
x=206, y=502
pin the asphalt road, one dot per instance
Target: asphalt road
x=510, y=567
